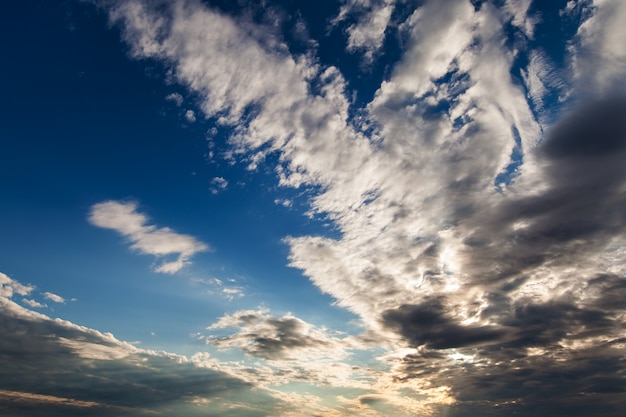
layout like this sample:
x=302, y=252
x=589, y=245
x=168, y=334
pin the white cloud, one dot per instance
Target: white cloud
x=176, y=98
x=368, y=33
x=33, y=303
x=518, y=12
x=218, y=184
x=599, y=51
x=190, y=116
x=53, y=297
x=9, y=286
x=148, y=239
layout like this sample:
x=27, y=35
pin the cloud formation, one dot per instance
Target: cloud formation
x=148, y=239
x=57, y=368
x=480, y=243
x=53, y=297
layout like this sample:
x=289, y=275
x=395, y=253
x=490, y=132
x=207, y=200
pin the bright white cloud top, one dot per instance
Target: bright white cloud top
x=147, y=239
x=450, y=180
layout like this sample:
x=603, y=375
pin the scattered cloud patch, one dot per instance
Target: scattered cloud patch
x=147, y=239
x=176, y=98
x=8, y=287
x=218, y=184
x=33, y=303
x=53, y=297
x=190, y=116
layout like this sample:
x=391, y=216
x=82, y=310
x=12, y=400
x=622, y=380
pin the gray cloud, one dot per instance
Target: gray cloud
x=428, y=325
x=56, y=368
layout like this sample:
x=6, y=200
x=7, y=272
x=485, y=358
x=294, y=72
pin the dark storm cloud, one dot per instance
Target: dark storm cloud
x=558, y=355
x=556, y=378
x=55, y=368
x=581, y=207
x=428, y=324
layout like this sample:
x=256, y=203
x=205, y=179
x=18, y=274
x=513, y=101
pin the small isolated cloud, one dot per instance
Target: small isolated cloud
x=276, y=338
x=283, y=202
x=147, y=239
x=190, y=116
x=176, y=98
x=33, y=303
x=218, y=184
x=53, y=297
x=218, y=287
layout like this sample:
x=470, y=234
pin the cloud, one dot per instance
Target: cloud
x=79, y=369
x=276, y=338
x=218, y=184
x=190, y=116
x=368, y=33
x=33, y=303
x=9, y=286
x=53, y=297
x=176, y=98
x=428, y=325
x=479, y=244
x=598, y=53
x=126, y=220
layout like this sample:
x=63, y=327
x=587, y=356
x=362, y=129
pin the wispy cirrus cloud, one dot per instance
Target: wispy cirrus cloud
x=124, y=218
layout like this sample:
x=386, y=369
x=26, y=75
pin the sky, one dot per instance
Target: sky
x=331, y=208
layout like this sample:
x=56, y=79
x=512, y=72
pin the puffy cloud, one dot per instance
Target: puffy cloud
x=126, y=220
x=8, y=287
x=176, y=98
x=190, y=116
x=53, y=297
x=367, y=35
x=33, y=303
x=218, y=184
x=598, y=52
x=277, y=338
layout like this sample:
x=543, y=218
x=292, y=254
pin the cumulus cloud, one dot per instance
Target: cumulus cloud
x=148, y=239
x=177, y=98
x=33, y=303
x=190, y=116
x=218, y=184
x=53, y=297
x=8, y=287
x=367, y=35
x=276, y=338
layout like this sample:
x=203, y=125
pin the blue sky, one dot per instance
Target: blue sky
x=347, y=208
